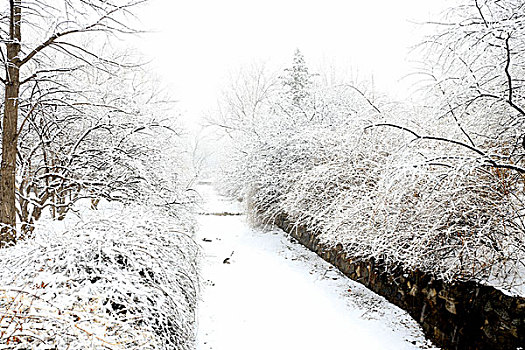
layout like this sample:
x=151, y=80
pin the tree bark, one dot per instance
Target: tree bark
x=9, y=129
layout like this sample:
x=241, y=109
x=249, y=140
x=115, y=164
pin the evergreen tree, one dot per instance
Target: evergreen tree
x=297, y=80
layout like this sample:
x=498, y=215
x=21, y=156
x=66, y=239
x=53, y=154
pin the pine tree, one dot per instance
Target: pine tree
x=297, y=80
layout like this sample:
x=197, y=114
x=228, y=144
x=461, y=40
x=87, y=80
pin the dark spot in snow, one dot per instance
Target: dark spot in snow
x=94, y=279
x=227, y=260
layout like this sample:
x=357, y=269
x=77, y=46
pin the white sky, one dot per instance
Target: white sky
x=197, y=43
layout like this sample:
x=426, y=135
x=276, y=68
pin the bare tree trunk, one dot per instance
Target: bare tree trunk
x=9, y=129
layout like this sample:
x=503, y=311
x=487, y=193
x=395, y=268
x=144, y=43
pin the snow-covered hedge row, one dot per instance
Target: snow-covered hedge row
x=125, y=280
x=332, y=164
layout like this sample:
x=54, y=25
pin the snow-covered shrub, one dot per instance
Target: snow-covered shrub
x=454, y=223
x=460, y=223
x=126, y=281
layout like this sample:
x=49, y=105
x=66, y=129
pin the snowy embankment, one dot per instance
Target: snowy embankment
x=121, y=278
x=264, y=291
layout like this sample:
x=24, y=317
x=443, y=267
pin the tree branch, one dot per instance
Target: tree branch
x=91, y=27
x=490, y=161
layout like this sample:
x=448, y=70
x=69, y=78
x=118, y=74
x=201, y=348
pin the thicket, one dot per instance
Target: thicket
x=122, y=278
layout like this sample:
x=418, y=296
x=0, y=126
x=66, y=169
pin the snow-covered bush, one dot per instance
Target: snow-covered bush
x=458, y=222
x=125, y=281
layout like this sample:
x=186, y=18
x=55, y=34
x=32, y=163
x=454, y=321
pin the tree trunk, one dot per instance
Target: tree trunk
x=9, y=129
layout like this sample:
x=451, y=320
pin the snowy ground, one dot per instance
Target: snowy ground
x=263, y=291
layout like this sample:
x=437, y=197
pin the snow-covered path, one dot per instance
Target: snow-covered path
x=263, y=291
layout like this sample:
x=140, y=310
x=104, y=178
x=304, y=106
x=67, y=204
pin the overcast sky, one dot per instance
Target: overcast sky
x=195, y=44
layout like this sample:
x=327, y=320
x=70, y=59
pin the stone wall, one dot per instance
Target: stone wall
x=462, y=315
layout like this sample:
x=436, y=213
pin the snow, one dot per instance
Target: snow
x=273, y=293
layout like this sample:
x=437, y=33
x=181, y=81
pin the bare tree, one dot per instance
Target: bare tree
x=90, y=137
x=476, y=64
x=246, y=101
x=52, y=30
